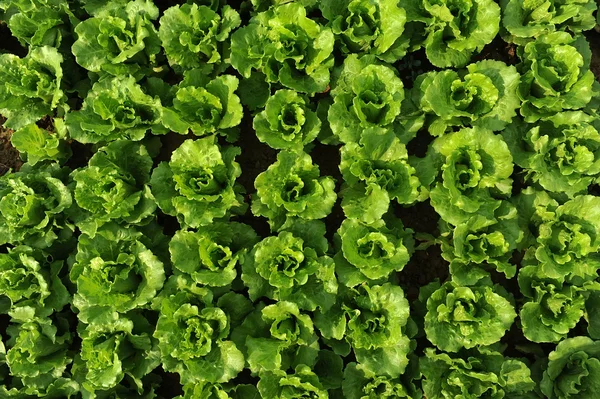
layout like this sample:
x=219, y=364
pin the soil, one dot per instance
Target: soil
x=9, y=156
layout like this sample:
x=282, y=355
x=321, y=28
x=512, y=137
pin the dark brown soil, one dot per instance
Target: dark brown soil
x=9, y=156
x=593, y=38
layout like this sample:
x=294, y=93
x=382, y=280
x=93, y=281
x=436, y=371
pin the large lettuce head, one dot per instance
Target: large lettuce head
x=30, y=87
x=115, y=350
x=276, y=336
x=194, y=35
x=303, y=383
x=483, y=95
x=33, y=203
x=193, y=331
x=204, y=106
x=372, y=252
x=483, y=373
x=467, y=316
x=360, y=383
x=38, y=350
x=114, y=187
x=372, y=27
x=372, y=320
x=293, y=187
x=376, y=172
x=525, y=20
x=198, y=184
x=553, y=308
x=454, y=29
x=573, y=370
x=114, y=271
x=288, y=122
x=119, y=40
x=480, y=244
x=560, y=153
x=212, y=256
x=293, y=266
x=567, y=245
x=556, y=75
x=367, y=94
x=474, y=174
x=31, y=283
x=115, y=108
x=39, y=23
x=290, y=48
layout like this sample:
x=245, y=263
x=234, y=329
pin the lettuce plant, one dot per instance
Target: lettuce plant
x=556, y=75
x=454, y=30
x=360, y=383
x=198, y=184
x=114, y=271
x=560, y=153
x=479, y=245
x=115, y=108
x=553, y=307
x=287, y=46
x=376, y=171
x=30, y=284
x=281, y=385
x=212, y=256
x=484, y=94
x=38, y=353
x=194, y=35
x=277, y=337
x=33, y=203
x=114, y=187
x=292, y=187
x=372, y=321
x=202, y=105
x=566, y=239
x=293, y=266
x=115, y=349
x=367, y=94
x=192, y=332
x=30, y=87
x=39, y=23
x=210, y=390
x=474, y=373
x=371, y=27
x=572, y=369
x=287, y=122
x=467, y=316
x=119, y=40
x=471, y=169
x=372, y=252
x=525, y=20
x=37, y=145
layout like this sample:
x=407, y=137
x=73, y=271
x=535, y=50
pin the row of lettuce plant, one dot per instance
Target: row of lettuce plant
x=100, y=298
